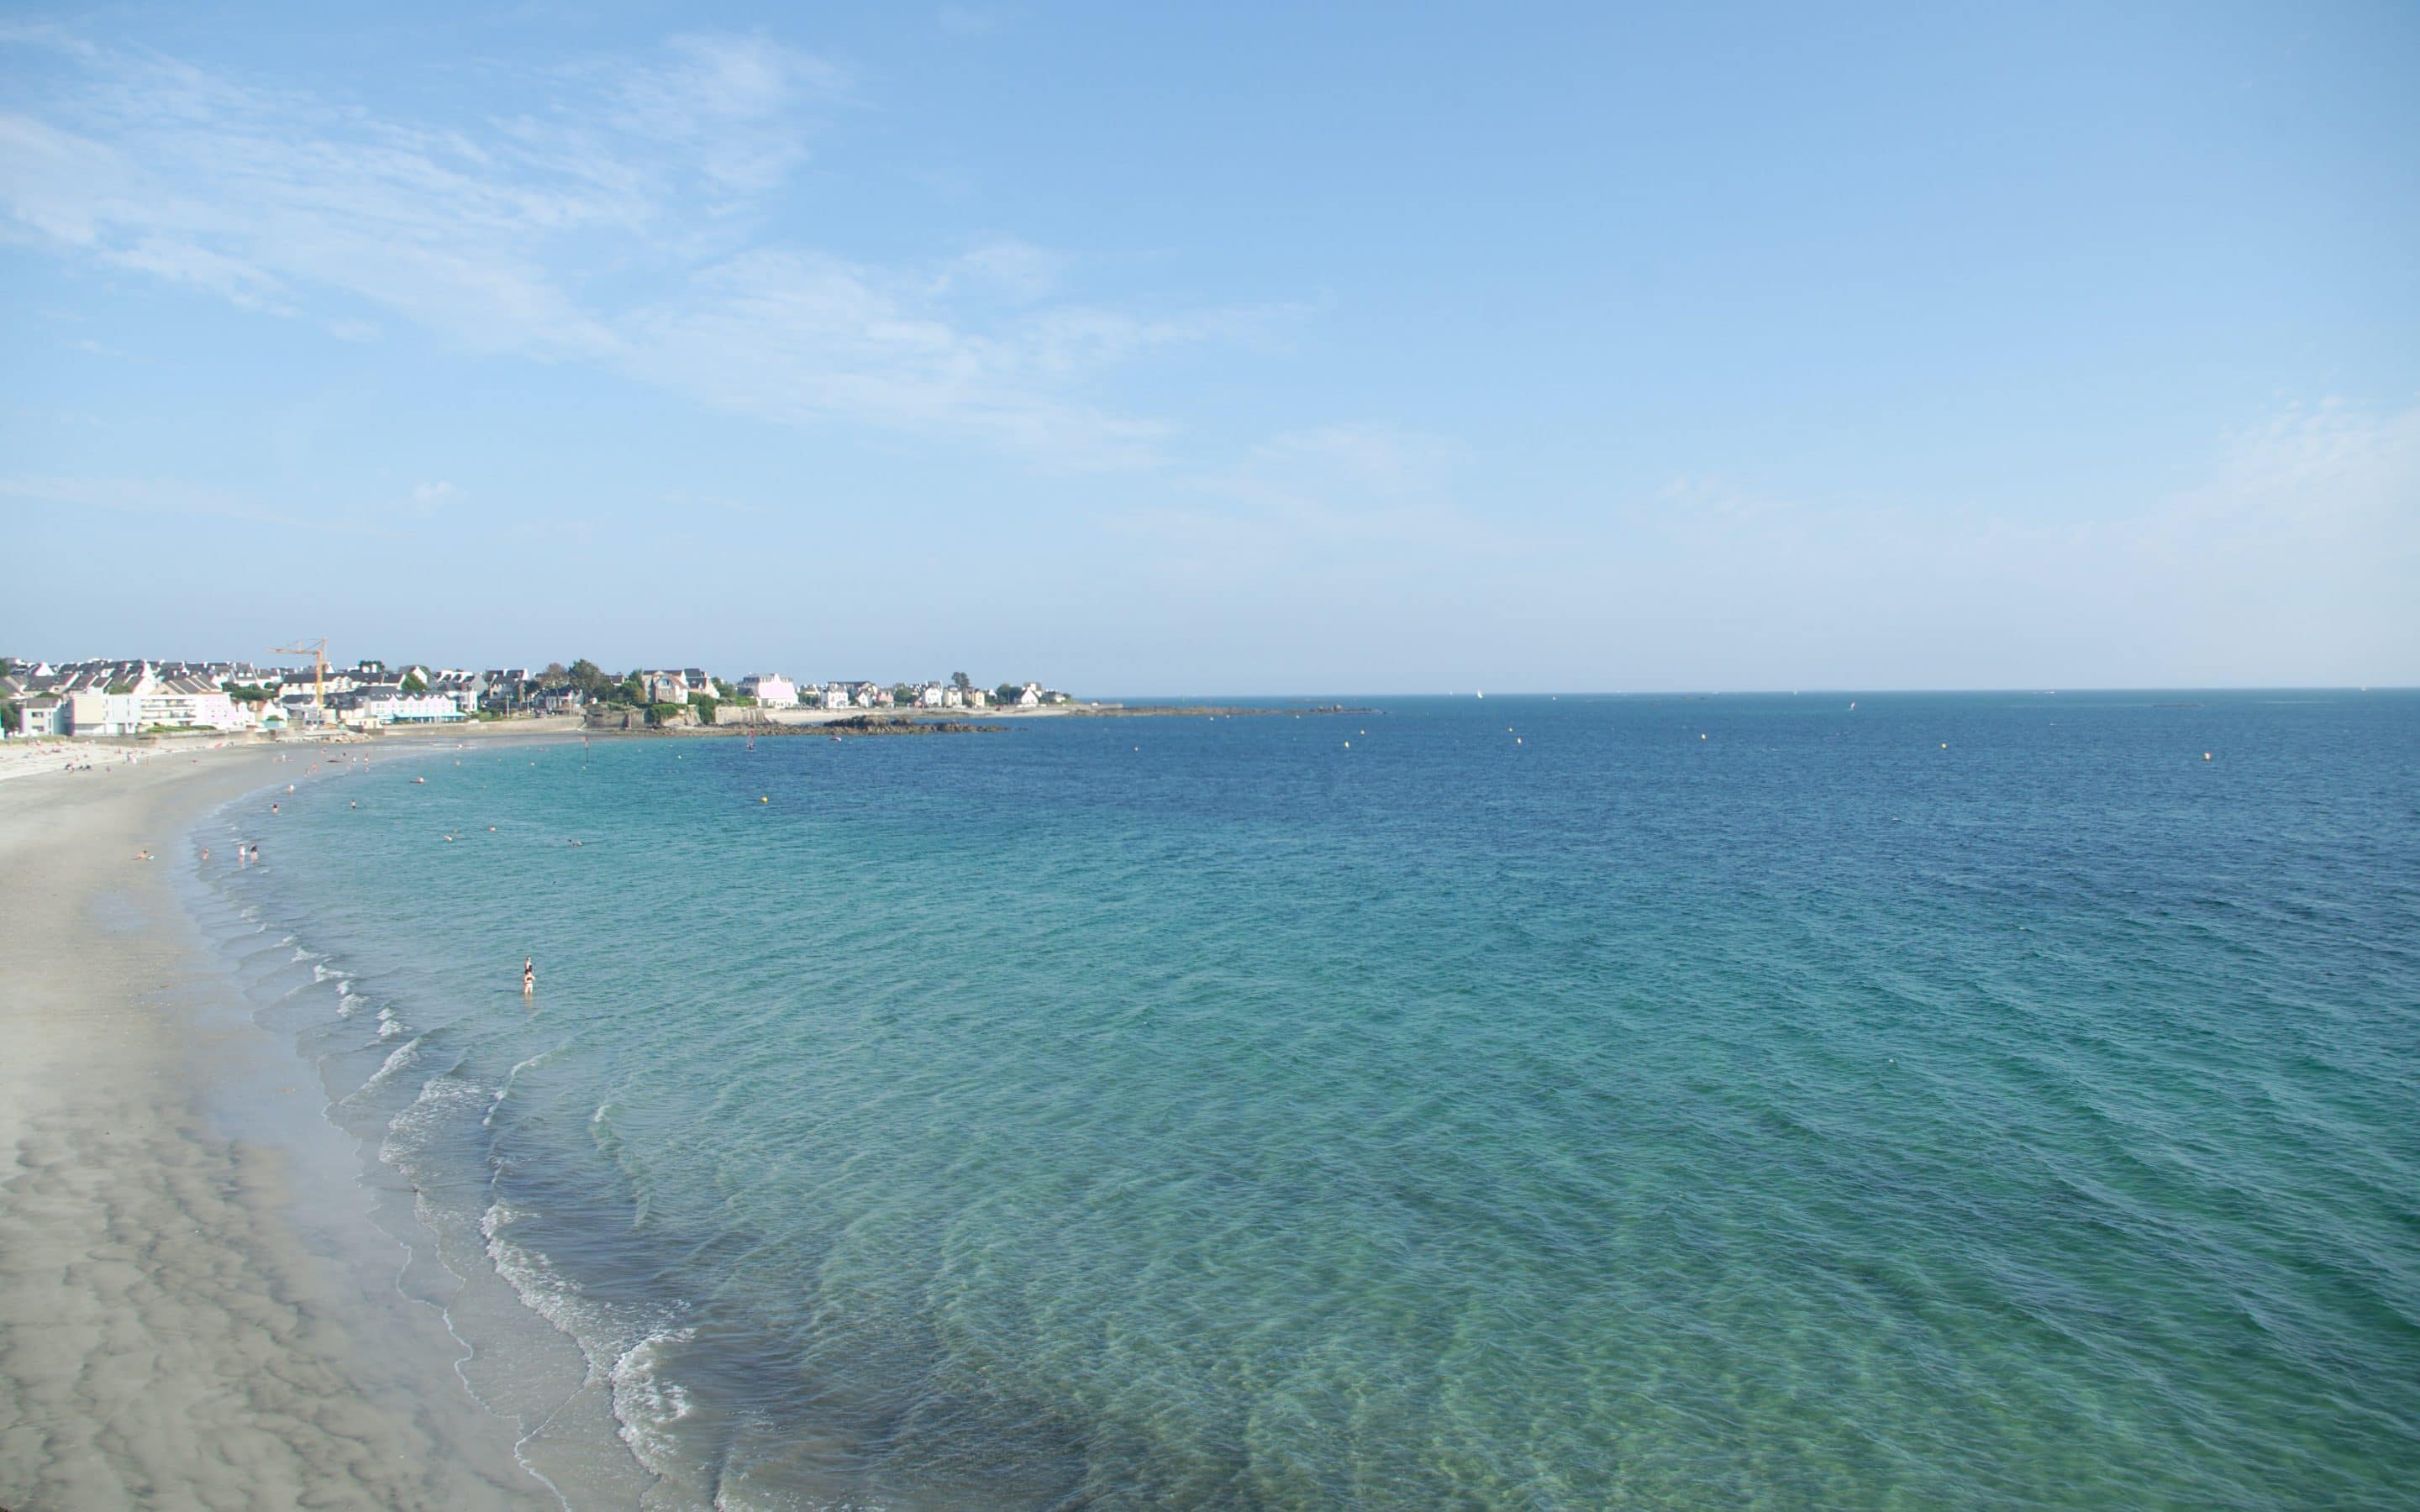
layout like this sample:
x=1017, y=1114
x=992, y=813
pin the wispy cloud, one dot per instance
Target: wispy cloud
x=173, y=499
x=519, y=234
x=1346, y=499
x=2290, y=559
x=970, y=21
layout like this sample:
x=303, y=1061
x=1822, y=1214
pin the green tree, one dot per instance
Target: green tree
x=12, y=719
x=1006, y=693
x=415, y=683
x=962, y=681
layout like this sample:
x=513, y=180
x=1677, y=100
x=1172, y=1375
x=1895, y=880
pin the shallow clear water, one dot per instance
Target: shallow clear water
x=1974, y=1101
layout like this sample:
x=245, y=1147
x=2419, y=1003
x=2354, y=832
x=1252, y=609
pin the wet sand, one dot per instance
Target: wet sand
x=194, y=1309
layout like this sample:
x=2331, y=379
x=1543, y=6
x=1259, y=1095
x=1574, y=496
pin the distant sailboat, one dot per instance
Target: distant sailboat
x=1480, y=694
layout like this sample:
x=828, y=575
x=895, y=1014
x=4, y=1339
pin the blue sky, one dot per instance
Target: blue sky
x=1381, y=349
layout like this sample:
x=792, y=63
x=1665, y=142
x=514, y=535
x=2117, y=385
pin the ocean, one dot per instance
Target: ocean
x=1954, y=1101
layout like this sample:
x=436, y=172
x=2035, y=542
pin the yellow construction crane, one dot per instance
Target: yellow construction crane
x=317, y=652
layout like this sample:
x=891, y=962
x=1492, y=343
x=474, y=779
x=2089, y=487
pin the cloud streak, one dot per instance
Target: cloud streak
x=515, y=237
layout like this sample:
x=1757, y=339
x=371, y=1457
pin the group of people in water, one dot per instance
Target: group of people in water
x=248, y=853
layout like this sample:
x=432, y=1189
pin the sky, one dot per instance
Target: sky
x=1221, y=350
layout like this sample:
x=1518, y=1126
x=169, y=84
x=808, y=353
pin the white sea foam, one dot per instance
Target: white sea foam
x=399, y=1058
x=648, y=1403
x=505, y=1090
x=389, y=1026
x=407, y=1134
x=645, y=1402
x=544, y=1289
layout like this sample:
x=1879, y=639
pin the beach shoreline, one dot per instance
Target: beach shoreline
x=194, y=1307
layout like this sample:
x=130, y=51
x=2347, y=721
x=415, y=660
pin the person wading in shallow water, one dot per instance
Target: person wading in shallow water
x=528, y=975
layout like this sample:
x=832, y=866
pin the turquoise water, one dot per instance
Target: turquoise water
x=1961, y=1102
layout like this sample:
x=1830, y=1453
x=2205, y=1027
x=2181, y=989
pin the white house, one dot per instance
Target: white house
x=388, y=703
x=94, y=712
x=43, y=716
x=770, y=689
x=929, y=695
x=1029, y=696
x=193, y=703
x=673, y=685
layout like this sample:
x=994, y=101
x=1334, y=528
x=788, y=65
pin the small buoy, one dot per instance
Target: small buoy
x=765, y=800
x=1701, y=737
x=1348, y=745
x=2205, y=755
x=1516, y=740
x=1945, y=745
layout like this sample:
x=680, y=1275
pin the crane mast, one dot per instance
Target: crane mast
x=317, y=652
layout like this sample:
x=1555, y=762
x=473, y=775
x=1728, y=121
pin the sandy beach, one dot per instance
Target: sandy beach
x=194, y=1309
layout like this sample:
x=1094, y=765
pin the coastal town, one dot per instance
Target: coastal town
x=108, y=698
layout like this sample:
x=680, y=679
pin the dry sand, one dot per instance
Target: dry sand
x=178, y=1327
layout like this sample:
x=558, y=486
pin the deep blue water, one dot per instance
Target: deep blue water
x=1963, y=1101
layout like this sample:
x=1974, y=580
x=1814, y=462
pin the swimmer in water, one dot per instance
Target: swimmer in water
x=528, y=975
